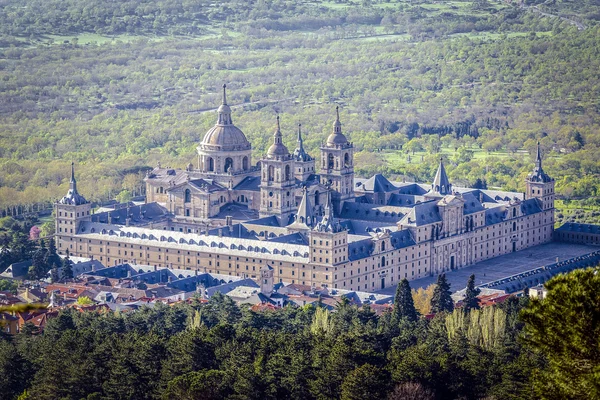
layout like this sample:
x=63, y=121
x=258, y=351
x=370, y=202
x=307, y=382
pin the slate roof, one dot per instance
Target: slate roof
x=376, y=184
x=294, y=238
x=402, y=200
x=251, y=183
x=358, y=227
x=422, y=214
x=579, y=228
x=472, y=204
x=236, y=211
x=138, y=214
x=531, y=206
x=17, y=270
x=372, y=212
x=229, y=286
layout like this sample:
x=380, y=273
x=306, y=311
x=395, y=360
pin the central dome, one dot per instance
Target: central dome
x=225, y=136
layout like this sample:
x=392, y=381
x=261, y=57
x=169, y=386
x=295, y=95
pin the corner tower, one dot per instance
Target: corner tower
x=70, y=212
x=277, y=195
x=539, y=184
x=328, y=241
x=337, y=163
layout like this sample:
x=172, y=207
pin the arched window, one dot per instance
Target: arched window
x=383, y=261
x=514, y=212
x=211, y=164
x=382, y=246
x=188, y=196
x=330, y=161
x=514, y=226
x=228, y=165
x=287, y=172
x=316, y=198
x=245, y=163
x=271, y=173
x=347, y=160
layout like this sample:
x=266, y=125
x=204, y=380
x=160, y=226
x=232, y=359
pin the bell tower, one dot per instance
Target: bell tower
x=540, y=185
x=337, y=164
x=70, y=212
x=277, y=195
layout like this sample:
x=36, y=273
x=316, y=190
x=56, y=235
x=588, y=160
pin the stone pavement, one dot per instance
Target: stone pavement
x=504, y=266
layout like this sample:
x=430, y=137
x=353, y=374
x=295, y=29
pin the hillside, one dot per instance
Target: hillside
x=119, y=86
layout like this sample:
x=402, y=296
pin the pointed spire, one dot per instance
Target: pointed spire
x=305, y=214
x=300, y=145
x=328, y=223
x=337, y=137
x=441, y=184
x=277, y=148
x=538, y=174
x=73, y=182
x=73, y=197
x=224, y=111
x=337, y=125
x=299, y=153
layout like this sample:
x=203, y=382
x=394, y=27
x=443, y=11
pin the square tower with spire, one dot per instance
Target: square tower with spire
x=70, y=212
x=539, y=184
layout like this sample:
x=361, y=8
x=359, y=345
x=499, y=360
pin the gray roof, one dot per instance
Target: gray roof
x=579, y=228
x=236, y=211
x=138, y=214
x=372, y=212
x=531, y=206
x=229, y=286
x=423, y=214
x=376, y=184
x=251, y=183
x=294, y=238
x=17, y=270
x=472, y=204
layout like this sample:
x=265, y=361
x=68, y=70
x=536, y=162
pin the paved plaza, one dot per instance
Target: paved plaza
x=504, y=266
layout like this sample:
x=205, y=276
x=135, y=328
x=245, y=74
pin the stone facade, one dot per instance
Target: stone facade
x=328, y=230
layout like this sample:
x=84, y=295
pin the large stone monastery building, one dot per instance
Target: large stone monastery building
x=308, y=218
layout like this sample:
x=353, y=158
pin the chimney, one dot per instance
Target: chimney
x=27, y=293
x=229, y=220
x=220, y=232
x=129, y=273
x=481, y=197
x=65, y=296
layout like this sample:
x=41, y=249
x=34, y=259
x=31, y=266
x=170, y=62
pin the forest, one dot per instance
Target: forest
x=119, y=86
x=520, y=349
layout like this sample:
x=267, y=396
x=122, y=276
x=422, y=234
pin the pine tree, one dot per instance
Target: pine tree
x=471, y=301
x=67, y=268
x=404, y=306
x=441, y=301
x=54, y=275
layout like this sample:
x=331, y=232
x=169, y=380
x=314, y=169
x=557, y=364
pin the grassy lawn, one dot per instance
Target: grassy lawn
x=401, y=157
